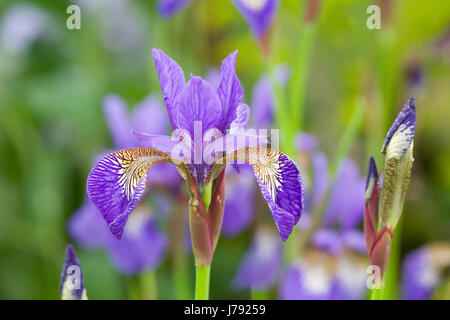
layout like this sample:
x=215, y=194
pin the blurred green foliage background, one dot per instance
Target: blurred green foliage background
x=52, y=124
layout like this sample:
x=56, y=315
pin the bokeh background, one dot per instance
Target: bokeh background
x=53, y=81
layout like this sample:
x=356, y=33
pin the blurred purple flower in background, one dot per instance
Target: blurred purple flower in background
x=262, y=103
x=261, y=265
x=167, y=8
x=323, y=276
x=346, y=202
x=424, y=270
x=305, y=281
x=259, y=14
x=333, y=266
x=239, y=201
x=21, y=25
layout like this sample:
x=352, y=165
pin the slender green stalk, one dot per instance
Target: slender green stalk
x=148, y=285
x=348, y=137
x=180, y=274
x=376, y=294
x=133, y=291
x=297, y=84
x=202, y=274
x=259, y=295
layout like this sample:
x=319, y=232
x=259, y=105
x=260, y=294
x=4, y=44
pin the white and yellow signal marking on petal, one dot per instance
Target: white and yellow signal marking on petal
x=133, y=165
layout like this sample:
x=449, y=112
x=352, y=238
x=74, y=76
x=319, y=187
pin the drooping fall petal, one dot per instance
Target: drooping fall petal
x=117, y=181
x=279, y=180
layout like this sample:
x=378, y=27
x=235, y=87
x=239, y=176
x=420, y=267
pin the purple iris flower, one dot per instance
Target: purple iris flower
x=259, y=14
x=349, y=278
x=200, y=148
x=260, y=267
x=321, y=276
x=143, y=246
x=424, y=270
x=306, y=281
x=21, y=25
x=72, y=282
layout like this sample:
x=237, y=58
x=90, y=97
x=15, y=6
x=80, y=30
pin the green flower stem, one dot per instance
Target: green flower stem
x=376, y=294
x=259, y=295
x=182, y=291
x=297, y=84
x=133, y=291
x=202, y=274
x=148, y=285
x=348, y=137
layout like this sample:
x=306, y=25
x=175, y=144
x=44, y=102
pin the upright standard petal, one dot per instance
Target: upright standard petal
x=279, y=180
x=172, y=81
x=258, y=13
x=230, y=91
x=198, y=103
x=116, y=114
x=116, y=183
x=72, y=283
x=240, y=123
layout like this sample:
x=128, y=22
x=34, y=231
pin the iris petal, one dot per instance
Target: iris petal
x=198, y=102
x=171, y=78
x=230, y=91
x=279, y=180
x=258, y=13
x=116, y=183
